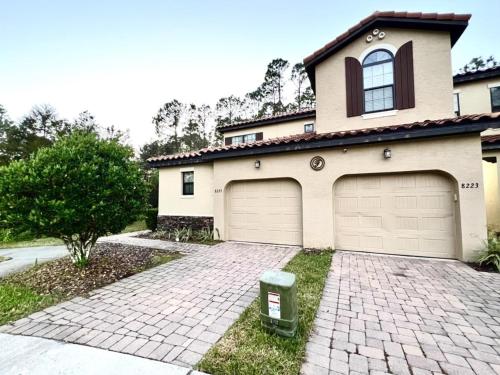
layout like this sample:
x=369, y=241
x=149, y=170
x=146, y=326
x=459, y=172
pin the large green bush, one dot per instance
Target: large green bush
x=79, y=189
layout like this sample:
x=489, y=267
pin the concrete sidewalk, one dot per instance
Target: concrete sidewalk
x=21, y=355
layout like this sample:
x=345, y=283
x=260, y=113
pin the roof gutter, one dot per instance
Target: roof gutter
x=333, y=143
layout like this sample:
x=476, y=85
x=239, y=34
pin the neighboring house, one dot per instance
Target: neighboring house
x=382, y=164
x=479, y=92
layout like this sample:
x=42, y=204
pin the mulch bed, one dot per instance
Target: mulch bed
x=109, y=263
x=481, y=268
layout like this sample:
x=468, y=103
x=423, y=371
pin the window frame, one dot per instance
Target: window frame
x=363, y=65
x=457, y=94
x=311, y=124
x=244, y=138
x=186, y=192
x=493, y=107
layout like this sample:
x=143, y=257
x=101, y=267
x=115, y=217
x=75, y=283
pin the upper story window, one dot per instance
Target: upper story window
x=456, y=103
x=188, y=183
x=309, y=128
x=245, y=138
x=378, y=81
x=495, y=99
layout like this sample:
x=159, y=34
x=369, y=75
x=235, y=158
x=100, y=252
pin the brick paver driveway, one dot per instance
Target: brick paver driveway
x=172, y=313
x=385, y=314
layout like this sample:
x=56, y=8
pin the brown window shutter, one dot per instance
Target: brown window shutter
x=259, y=136
x=228, y=141
x=354, y=87
x=404, y=85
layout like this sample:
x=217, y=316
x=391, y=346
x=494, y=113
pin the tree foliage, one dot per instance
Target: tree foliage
x=185, y=127
x=41, y=127
x=80, y=188
x=480, y=63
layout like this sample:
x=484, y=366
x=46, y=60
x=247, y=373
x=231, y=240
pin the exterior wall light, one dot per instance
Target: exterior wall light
x=257, y=164
x=387, y=153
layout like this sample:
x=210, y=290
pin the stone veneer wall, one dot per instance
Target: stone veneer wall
x=194, y=222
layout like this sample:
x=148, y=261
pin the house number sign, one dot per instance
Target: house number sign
x=470, y=185
x=317, y=163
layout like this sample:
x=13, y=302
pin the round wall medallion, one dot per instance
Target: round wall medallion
x=317, y=163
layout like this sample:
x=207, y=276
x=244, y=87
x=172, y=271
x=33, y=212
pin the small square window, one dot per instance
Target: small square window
x=495, y=99
x=308, y=128
x=187, y=183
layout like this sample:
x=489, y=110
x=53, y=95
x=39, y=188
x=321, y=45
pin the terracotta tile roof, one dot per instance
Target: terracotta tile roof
x=494, y=138
x=388, y=14
x=285, y=116
x=304, y=138
x=477, y=75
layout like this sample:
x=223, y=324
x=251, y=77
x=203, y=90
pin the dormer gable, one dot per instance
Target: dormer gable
x=392, y=67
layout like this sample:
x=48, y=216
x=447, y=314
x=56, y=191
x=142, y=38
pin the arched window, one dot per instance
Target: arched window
x=378, y=81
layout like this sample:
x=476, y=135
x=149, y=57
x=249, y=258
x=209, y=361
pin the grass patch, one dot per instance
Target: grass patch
x=27, y=240
x=45, y=241
x=46, y=284
x=17, y=301
x=135, y=226
x=247, y=349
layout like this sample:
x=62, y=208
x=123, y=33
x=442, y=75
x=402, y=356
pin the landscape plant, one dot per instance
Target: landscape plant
x=79, y=189
x=490, y=256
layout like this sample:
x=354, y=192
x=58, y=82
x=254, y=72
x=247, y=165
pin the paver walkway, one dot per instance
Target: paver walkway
x=401, y=315
x=132, y=239
x=173, y=313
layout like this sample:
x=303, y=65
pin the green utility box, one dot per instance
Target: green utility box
x=278, y=302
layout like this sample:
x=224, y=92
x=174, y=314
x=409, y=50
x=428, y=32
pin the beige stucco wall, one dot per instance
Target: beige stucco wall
x=432, y=75
x=172, y=202
x=272, y=131
x=475, y=96
x=317, y=187
x=491, y=173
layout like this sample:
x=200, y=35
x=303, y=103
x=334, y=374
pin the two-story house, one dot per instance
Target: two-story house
x=479, y=92
x=382, y=164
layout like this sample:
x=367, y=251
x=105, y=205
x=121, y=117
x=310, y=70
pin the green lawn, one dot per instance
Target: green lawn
x=247, y=349
x=45, y=241
x=136, y=226
x=26, y=241
x=17, y=301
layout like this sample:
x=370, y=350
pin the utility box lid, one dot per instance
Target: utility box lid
x=279, y=278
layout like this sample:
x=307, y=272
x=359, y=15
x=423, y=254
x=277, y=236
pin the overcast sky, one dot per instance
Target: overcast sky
x=121, y=60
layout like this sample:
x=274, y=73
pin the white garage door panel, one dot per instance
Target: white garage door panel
x=267, y=211
x=411, y=214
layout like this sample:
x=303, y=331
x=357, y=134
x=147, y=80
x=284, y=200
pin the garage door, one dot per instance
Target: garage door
x=268, y=211
x=407, y=214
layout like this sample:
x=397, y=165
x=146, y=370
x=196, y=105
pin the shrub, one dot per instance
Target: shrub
x=6, y=235
x=204, y=235
x=152, y=218
x=79, y=189
x=490, y=256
